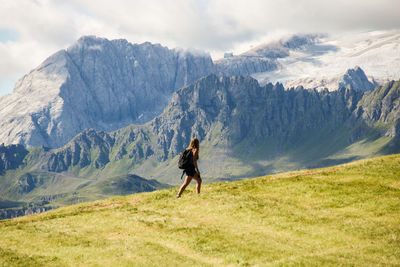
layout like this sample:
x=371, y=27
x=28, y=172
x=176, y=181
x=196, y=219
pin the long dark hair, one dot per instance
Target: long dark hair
x=194, y=143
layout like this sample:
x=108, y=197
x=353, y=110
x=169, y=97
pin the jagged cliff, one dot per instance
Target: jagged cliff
x=383, y=105
x=317, y=60
x=79, y=106
x=246, y=111
x=225, y=112
x=107, y=85
x=13, y=213
x=245, y=65
x=95, y=83
x=245, y=130
x=11, y=157
x=355, y=78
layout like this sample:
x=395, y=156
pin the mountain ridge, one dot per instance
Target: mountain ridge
x=111, y=82
x=355, y=77
x=323, y=57
x=116, y=83
x=245, y=129
x=226, y=111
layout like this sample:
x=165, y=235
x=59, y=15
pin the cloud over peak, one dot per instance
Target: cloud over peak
x=32, y=30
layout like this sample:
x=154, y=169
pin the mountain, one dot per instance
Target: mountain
x=263, y=58
x=248, y=130
x=340, y=216
x=95, y=83
x=75, y=116
x=355, y=78
x=245, y=130
x=319, y=60
x=236, y=119
x=244, y=65
x=383, y=105
x=317, y=57
x=106, y=85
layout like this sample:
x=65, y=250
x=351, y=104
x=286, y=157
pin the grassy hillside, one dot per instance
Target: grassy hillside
x=342, y=215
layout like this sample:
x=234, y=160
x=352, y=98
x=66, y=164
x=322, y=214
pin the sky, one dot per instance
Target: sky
x=32, y=30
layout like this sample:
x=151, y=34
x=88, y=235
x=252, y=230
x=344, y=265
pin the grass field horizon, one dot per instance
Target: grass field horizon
x=342, y=215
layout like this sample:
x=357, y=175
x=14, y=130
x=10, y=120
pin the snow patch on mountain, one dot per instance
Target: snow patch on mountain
x=326, y=57
x=355, y=78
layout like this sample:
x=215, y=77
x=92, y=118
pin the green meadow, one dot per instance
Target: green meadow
x=343, y=215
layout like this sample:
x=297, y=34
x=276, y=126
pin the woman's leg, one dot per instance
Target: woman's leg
x=198, y=180
x=187, y=181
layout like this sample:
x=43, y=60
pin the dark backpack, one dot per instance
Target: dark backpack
x=184, y=159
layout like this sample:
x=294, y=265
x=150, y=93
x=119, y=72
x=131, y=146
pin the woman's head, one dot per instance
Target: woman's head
x=194, y=143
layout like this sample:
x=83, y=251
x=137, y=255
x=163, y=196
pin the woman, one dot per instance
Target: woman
x=192, y=172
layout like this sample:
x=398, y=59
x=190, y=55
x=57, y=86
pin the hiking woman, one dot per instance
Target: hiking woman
x=192, y=172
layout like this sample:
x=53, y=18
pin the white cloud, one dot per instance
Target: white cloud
x=45, y=26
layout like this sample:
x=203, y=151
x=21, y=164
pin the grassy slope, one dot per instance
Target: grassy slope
x=342, y=215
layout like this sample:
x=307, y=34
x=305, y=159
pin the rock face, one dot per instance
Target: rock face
x=239, y=123
x=355, y=78
x=13, y=213
x=95, y=83
x=382, y=105
x=106, y=85
x=239, y=110
x=263, y=58
x=244, y=65
x=78, y=151
x=11, y=156
x=236, y=109
x=26, y=183
x=323, y=57
x=247, y=111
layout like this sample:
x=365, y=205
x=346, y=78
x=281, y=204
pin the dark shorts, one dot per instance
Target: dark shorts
x=190, y=171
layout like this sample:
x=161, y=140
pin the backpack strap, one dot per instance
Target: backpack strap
x=182, y=174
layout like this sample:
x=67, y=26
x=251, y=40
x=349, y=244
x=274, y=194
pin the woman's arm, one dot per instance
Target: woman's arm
x=195, y=156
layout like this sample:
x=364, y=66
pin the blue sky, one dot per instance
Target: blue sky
x=32, y=30
x=7, y=35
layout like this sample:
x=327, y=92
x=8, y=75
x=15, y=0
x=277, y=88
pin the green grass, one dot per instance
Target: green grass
x=343, y=215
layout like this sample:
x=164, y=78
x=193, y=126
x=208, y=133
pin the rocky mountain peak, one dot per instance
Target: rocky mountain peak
x=354, y=78
x=88, y=40
x=357, y=79
x=113, y=83
x=235, y=119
